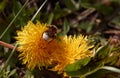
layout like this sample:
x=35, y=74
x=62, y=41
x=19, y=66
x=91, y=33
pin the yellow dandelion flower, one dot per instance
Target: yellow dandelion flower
x=32, y=47
x=74, y=48
x=36, y=51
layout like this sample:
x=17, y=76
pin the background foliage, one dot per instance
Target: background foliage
x=99, y=19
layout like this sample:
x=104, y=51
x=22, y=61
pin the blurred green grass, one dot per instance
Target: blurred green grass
x=99, y=19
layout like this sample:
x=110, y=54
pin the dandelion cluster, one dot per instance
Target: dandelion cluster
x=35, y=51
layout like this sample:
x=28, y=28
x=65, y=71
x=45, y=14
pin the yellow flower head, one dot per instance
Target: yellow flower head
x=32, y=46
x=35, y=51
x=74, y=48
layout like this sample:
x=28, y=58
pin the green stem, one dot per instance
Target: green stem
x=13, y=20
x=91, y=72
x=38, y=10
x=50, y=18
x=8, y=60
x=104, y=67
x=12, y=52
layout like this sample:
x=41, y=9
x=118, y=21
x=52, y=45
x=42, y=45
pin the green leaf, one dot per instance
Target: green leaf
x=86, y=26
x=23, y=17
x=99, y=74
x=111, y=60
x=71, y=4
x=12, y=72
x=104, y=9
x=85, y=71
x=66, y=27
x=116, y=21
x=103, y=52
x=77, y=65
x=72, y=67
x=84, y=61
x=60, y=12
x=87, y=5
x=2, y=5
x=50, y=18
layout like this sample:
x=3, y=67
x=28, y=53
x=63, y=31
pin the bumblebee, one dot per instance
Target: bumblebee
x=50, y=33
